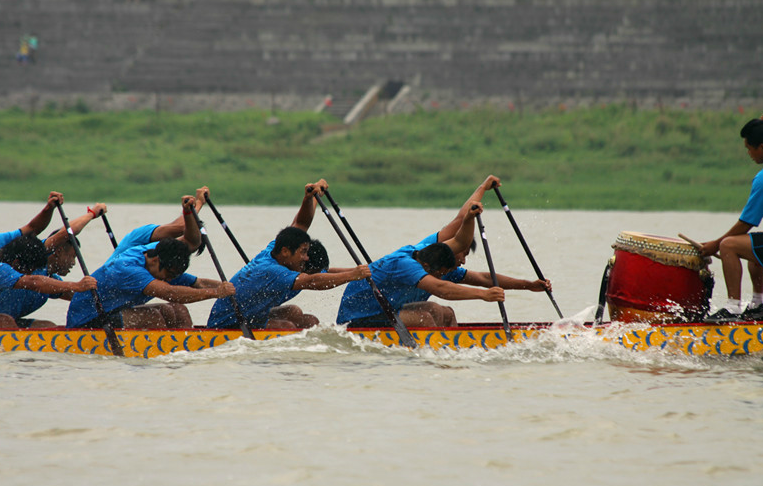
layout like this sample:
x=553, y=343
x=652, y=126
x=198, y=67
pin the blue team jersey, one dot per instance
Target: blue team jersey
x=21, y=302
x=262, y=284
x=753, y=210
x=397, y=276
x=137, y=237
x=6, y=238
x=120, y=286
x=8, y=276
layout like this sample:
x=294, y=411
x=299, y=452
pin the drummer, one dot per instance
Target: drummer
x=408, y=281
x=736, y=244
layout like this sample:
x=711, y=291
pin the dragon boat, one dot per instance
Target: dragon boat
x=697, y=339
x=657, y=289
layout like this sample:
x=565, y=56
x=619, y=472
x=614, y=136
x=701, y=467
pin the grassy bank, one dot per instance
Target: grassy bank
x=599, y=158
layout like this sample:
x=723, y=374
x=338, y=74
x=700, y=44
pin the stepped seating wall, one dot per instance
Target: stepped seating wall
x=700, y=49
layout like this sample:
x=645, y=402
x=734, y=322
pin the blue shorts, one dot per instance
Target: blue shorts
x=757, y=246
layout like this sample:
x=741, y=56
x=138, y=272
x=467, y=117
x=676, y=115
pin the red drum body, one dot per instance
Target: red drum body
x=655, y=279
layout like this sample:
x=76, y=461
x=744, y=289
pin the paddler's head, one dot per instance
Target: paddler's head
x=437, y=259
x=291, y=248
x=168, y=259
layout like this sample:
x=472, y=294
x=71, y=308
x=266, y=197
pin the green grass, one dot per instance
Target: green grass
x=597, y=158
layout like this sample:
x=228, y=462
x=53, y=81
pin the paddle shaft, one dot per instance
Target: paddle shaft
x=111, y=335
x=108, y=230
x=226, y=228
x=493, y=276
x=236, y=309
x=405, y=336
x=347, y=225
x=524, y=245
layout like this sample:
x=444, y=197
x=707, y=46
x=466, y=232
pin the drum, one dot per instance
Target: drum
x=655, y=279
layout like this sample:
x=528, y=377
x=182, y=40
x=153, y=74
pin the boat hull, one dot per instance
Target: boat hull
x=732, y=339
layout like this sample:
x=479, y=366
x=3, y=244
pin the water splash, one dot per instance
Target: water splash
x=567, y=341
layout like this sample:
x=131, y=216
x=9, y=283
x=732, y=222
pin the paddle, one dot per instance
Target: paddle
x=489, y=259
x=108, y=230
x=111, y=335
x=524, y=245
x=225, y=227
x=247, y=332
x=405, y=336
x=347, y=225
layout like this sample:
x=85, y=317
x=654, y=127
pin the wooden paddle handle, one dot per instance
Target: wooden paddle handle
x=695, y=244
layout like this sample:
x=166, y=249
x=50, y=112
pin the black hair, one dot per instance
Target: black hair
x=68, y=240
x=173, y=255
x=318, y=258
x=437, y=256
x=752, y=131
x=25, y=254
x=291, y=238
x=472, y=247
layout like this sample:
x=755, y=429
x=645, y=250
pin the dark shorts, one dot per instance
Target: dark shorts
x=379, y=320
x=24, y=323
x=114, y=318
x=757, y=246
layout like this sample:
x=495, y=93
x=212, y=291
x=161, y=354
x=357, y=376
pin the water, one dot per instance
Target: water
x=323, y=408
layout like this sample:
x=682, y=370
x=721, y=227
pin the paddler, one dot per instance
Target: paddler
x=18, y=303
x=176, y=315
x=19, y=258
x=413, y=273
x=138, y=274
x=736, y=244
x=278, y=273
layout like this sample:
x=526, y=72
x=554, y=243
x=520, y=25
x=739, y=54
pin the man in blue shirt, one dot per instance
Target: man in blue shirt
x=413, y=273
x=736, y=244
x=19, y=258
x=277, y=274
x=175, y=315
x=142, y=272
x=18, y=303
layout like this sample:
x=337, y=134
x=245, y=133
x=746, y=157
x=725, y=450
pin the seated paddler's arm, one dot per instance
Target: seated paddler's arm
x=304, y=217
x=206, y=283
x=175, y=228
x=325, y=281
x=465, y=234
x=483, y=279
x=181, y=294
x=449, y=230
x=47, y=285
x=447, y=290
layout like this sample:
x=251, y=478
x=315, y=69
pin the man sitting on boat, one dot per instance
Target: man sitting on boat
x=277, y=274
x=19, y=258
x=736, y=244
x=176, y=315
x=413, y=273
x=19, y=303
x=140, y=273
